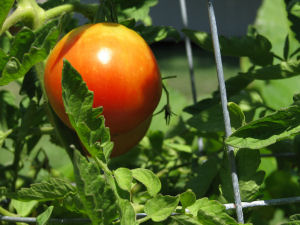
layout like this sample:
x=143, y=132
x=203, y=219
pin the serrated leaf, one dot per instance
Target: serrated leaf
x=44, y=217
x=187, y=198
x=161, y=207
x=6, y=5
x=147, y=178
x=97, y=199
x=38, y=51
x=136, y=9
x=184, y=220
x=128, y=214
x=211, y=212
x=267, y=130
x=124, y=178
x=257, y=48
x=85, y=119
x=52, y=189
x=153, y=34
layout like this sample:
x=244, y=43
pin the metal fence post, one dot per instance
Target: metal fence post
x=188, y=49
x=230, y=150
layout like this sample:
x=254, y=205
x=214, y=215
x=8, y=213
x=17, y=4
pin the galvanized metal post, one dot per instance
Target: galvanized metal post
x=188, y=49
x=230, y=150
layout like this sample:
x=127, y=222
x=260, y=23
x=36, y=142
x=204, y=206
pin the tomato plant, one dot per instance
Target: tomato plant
x=121, y=70
x=58, y=72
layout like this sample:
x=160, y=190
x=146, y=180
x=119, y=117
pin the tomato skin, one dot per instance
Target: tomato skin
x=125, y=141
x=117, y=65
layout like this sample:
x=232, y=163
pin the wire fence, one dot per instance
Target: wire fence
x=238, y=205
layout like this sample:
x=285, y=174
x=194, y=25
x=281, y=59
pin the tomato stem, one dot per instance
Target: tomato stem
x=29, y=12
x=146, y=218
x=6, y=212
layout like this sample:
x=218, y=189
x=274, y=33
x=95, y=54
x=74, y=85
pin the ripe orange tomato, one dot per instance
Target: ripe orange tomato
x=119, y=67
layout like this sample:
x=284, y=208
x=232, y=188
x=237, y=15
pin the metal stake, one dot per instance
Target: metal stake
x=188, y=49
x=230, y=150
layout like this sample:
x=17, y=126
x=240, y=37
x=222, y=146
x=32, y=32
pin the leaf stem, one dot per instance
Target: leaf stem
x=6, y=212
x=142, y=220
x=87, y=10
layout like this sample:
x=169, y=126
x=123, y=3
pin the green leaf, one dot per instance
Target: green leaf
x=257, y=47
x=250, y=179
x=124, y=178
x=237, y=116
x=3, y=191
x=43, y=218
x=267, y=130
x=38, y=52
x=296, y=222
x=279, y=71
x=272, y=17
x=4, y=135
x=52, y=189
x=203, y=176
x=295, y=216
x=187, y=198
x=211, y=119
x=184, y=220
x=22, y=42
x=279, y=181
x=32, y=117
x=147, y=178
x=128, y=214
x=294, y=17
x=233, y=86
x=97, y=198
x=85, y=119
x=211, y=212
x=177, y=144
x=153, y=34
x=3, y=59
x=161, y=207
x=6, y=5
x=23, y=208
x=136, y=9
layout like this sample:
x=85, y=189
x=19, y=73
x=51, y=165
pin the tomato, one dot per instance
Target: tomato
x=119, y=67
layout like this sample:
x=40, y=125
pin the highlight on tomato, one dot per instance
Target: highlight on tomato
x=119, y=67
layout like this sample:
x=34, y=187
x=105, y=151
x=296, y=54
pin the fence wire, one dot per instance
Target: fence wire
x=229, y=206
